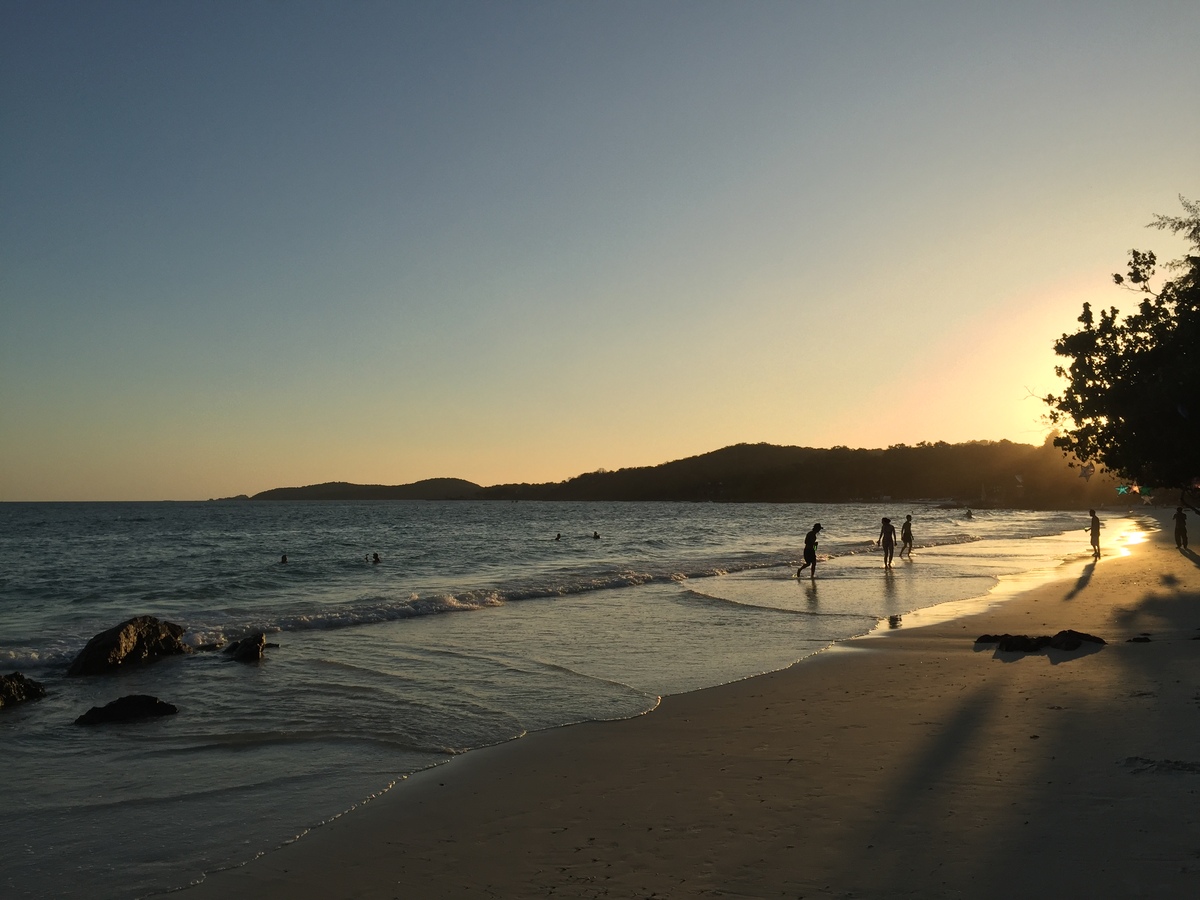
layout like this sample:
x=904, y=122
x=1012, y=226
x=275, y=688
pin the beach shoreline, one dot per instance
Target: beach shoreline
x=919, y=765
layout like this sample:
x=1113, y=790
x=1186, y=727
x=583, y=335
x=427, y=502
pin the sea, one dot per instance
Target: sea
x=481, y=622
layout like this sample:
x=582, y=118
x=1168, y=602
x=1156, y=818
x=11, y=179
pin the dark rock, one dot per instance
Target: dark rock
x=249, y=648
x=127, y=709
x=142, y=639
x=1023, y=643
x=1020, y=643
x=1069, y=639
x=1140, y=639
x=16, y=688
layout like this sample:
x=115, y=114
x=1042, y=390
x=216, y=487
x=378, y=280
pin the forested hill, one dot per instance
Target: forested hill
x=430, y=489
x=980, y=473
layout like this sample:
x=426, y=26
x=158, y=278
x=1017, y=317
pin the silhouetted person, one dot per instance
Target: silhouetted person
x=375, y=560
x=906, y=537
x=969, y=515
x=1094, y=527
x=1180, y=518
x=558, y=537
x=810, y=552
x=283, y=560
x=596, y=535
x=887, y=540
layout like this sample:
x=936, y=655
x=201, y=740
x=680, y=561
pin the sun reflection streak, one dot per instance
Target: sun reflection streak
x=1135, y=534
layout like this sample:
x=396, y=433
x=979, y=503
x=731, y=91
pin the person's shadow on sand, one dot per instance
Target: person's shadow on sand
x=1190, y=554
x=1084, y=577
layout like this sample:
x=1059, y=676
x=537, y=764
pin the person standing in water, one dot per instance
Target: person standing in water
x=1094, y=527
x=1180, y=518
x=810, y=552
x=887, y=540
x=906, y=539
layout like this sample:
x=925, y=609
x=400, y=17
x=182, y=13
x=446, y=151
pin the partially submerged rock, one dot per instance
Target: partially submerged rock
x=16, y=688
x=129, y=708
x=140, y=640
x=1068, y=639
x=248, y=649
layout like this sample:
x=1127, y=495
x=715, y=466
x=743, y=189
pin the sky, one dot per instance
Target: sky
x=256, y=244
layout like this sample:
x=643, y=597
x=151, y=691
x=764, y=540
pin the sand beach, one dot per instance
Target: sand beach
x=912, y=763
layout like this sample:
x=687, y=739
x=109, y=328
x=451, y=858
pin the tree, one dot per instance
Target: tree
x=1130, y=401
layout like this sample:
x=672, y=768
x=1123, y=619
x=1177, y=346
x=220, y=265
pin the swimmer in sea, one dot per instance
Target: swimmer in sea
x=283, y=561
x=375, y=560
x=810, y=552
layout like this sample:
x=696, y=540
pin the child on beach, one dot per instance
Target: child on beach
x=1094, y=528
x=887, y=540
x=1180, y=518
x=906, y=538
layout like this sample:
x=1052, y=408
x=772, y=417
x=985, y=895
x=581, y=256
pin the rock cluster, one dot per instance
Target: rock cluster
x=16, y=688
x=1067, y=639
x=142, y=639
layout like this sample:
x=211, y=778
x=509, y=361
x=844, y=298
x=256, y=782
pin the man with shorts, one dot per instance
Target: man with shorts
x=810, y=552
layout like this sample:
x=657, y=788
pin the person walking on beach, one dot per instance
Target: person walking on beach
x=1094, y=528
x=887, y=540
x=1180, y=518
x=810, y=552
x=906, y=537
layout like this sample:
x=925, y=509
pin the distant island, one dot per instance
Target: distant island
x=429, y=489
x=978, y=473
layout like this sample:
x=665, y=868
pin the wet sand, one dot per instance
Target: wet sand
x=912, y=764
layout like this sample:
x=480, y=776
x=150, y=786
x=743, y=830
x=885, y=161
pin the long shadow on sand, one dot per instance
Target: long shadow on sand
x=1084, y=577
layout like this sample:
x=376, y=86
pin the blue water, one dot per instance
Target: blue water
x=477, y=627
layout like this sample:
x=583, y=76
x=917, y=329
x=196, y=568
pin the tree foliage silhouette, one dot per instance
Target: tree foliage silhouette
x=1130, y=399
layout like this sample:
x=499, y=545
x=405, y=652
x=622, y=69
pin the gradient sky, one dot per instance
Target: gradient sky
x=248, y=244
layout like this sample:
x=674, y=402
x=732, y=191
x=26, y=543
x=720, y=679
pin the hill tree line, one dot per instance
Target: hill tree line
x=979, y=473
